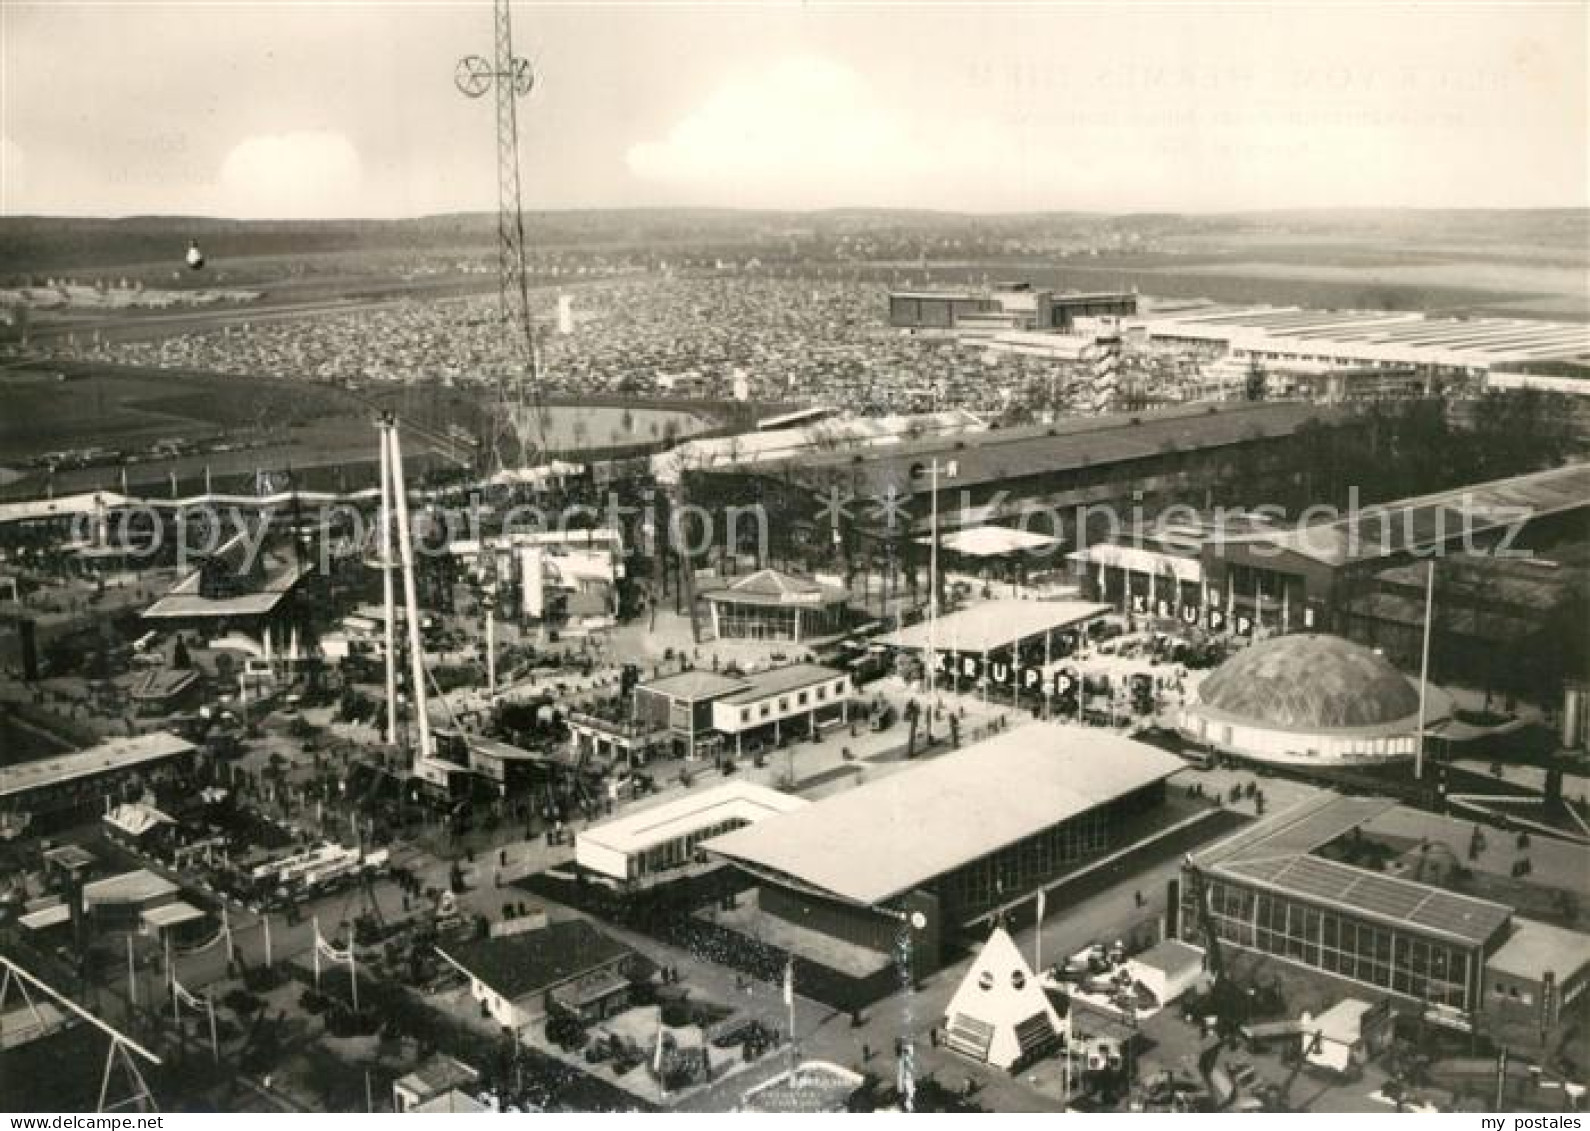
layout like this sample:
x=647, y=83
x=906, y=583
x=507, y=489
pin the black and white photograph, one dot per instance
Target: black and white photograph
x=566, y=557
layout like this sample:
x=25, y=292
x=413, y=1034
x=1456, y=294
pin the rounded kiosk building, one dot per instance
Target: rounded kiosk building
x=1310, y=700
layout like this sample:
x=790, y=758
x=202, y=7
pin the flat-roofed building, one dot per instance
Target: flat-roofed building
x=567, y=969
x=1306, y=574
x=70, y=785
x=1015, y=305
x=1267, y=889
x=936, y=846
x=1073, y=480
x=241, y=586
x=1538, y=977
x=640, y=846
x=438, y=1076
x=784, y=703
x=707, y=713
x=681, y=706
x=126, y=902
x=1320, y=340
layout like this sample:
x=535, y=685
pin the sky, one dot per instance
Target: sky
x=335, y=109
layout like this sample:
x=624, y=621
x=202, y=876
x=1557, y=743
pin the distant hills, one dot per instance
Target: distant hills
x=35, y=244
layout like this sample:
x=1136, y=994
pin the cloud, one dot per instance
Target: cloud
x=303, y=174
x=806, y=131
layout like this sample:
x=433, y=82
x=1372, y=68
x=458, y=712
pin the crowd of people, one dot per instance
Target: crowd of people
x=718, y=334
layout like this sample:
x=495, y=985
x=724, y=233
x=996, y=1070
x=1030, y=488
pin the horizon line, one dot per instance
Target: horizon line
x=752, y=210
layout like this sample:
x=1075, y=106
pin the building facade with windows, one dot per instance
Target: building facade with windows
x=772, y=605
x=654, y=841
x=786, y=703
x=700, y=713
x=1269, y=890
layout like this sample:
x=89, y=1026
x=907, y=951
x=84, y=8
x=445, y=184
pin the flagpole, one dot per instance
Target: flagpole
x=1048, y=658
x=1037, y=936
x=789, y=1000
x=933, y=590
x=1424, y=670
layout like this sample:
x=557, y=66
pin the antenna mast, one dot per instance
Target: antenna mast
x=510, y=76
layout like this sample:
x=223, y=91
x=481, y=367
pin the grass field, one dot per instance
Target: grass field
x=131, y=409
x=569, y=427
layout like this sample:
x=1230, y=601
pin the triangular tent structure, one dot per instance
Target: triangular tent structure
x=1001, y=1015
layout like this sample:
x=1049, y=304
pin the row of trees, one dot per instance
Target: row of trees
x=1398, y=449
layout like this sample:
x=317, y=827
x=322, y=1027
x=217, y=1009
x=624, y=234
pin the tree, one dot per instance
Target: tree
x=1256, y=385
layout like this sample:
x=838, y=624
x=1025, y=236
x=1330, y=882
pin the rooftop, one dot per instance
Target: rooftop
x=46, y=917
x=1399, y=902
x=171, y=915
x=812, y=1086
x=136, y=819
x=110, y=756
x=1535, y=948
x=1170, y=955
x=990, y=625
x=491, y=749
x=516, y=966
x=1407, y=337
x=1305, y=827
x=774, y=587
x=1067, y=445
x=884, y=838
x=1342, y=1021
x=138, y=886
x=63, y=506
x=436, y=1074
x=161, y=683
x=1382, y=530
x=185, y=600
x=451, y=1102
x=1275, y=854
x=992, y=541
x=780, y=681
x=72, y=857
x=658, y=824
x=1310, y=682
x=694, y=685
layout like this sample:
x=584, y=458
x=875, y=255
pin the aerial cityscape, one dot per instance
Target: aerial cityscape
x=808, y=560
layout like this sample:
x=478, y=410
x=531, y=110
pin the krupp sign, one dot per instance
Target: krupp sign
x=1211, y=617
x=1003, y=673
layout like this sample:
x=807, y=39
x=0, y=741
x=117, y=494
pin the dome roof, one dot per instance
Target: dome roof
x=1313, y=683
